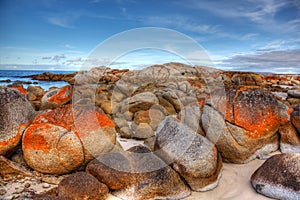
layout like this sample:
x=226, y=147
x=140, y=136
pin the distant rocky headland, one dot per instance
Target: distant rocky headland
x=162, y=132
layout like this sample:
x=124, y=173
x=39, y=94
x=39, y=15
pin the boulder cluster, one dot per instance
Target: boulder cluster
x=186, y=120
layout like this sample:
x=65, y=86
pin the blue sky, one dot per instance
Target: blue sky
x=248, y=35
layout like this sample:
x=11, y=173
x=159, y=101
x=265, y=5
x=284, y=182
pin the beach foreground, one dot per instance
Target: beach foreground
x=168, y=131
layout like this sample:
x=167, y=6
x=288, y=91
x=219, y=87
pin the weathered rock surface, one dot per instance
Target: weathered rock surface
x=137, y=175
x=61, y=140
x=295, y=117
x=289, y=139
x=10, y=168
x=47, y=197
x=279, y=177
x=244, y=125
x=15, y=110
x=244, y=78
x=56, y=98
x=80, y=186
x=193, y=156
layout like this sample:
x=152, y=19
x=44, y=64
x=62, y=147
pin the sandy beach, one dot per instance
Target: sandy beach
x=234, y=184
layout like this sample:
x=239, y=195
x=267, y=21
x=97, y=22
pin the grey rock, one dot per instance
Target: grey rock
x=82, y=186
x=138, y=175
x=279, y=177
x=143, y=131
x=15, y=110
x=193, y=156
x=234, y=142
x=294, y=93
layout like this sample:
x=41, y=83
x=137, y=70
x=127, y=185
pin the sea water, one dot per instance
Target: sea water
x=19, y=75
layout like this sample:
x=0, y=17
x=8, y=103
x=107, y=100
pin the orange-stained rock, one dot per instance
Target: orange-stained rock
x=244, y=123
x=66, y=138
x=244, y=78
x=57, y=97
x=257, y=111
x=20, y=89
x=15, y=110
x=289, y=139
x=295, y=117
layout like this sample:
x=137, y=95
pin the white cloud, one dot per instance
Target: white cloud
x=274, y=61
x=181, y=22
x=254, y=10
x=76, y=59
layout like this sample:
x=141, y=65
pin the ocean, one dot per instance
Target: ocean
x=17, y=75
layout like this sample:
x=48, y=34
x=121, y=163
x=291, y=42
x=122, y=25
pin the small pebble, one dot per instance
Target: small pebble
x=45, y=185
x=27, y=185
x=2, y=192
x=7, y=178
x=38, y=174
x=19, y=190
x=20, y=176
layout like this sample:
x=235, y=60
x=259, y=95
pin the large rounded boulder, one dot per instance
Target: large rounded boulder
x=82, y=186
x=61, y=140
x=244, y=124
x=15, y=110
x=279, y=177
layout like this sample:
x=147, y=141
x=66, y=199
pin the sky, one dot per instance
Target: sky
x=248, y=35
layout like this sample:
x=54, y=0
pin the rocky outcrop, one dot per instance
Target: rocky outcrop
x=244, y=125
x=48, y=76
x=279, y=177
x=15, y=112
x=191, y=155
x=35, y=95
x=80, y=186
x=101, y=75
x=137, y=175
x=289, y=139
x=290, y=134
x=10, y=168
x=243, y=78
x=61, y=140
x=56, y=98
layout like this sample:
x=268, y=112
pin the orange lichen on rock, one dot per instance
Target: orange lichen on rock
x=62, y=116
x=20, y=89
x=5, y=145
x=90, y=121
x=34, y=139
x=64, y=94
x=256, y=111
x=80, y=120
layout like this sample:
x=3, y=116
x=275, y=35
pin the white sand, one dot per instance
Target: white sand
x=234, y=184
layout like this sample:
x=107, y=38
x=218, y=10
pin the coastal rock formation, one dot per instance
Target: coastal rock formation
x=289, y=139
x=245, y=124
x=80, y=186
x=48, y=76
x=56, y=98
x=15, y=110
x=61, y=140
x=279, y=177
x=191, y=155
x=243, y=78
x=35, y=95
x=290, y=134
x=20, y=88
x=10, y=168
x=101, y=75
x=137, y=175
x=295, y=117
